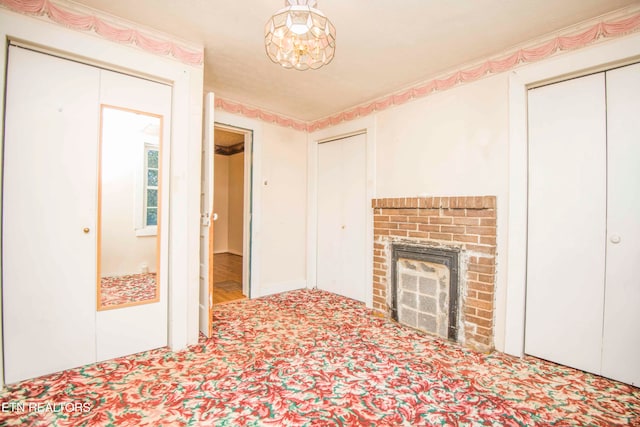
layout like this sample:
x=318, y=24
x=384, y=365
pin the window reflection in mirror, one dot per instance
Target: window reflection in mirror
x=129, y=208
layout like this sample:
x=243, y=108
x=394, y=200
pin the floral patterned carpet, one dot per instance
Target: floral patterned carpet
x=116, y=290
x=311, y=358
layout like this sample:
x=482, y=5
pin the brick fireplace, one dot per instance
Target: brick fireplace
x=464, y=225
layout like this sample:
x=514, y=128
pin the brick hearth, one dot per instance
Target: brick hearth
x=467, y=223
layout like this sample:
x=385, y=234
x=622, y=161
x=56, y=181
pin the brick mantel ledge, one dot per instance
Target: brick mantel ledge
x=473, y=202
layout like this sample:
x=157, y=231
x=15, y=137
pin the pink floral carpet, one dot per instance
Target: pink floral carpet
x=311, y=358
x=116, y=290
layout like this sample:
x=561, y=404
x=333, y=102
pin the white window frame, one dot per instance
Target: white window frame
x=141, y=227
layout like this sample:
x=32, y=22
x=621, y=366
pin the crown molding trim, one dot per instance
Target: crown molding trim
x=82, y=18
x=260, y=114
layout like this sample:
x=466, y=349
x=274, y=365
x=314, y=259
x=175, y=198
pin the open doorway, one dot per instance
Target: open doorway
x=230, y=206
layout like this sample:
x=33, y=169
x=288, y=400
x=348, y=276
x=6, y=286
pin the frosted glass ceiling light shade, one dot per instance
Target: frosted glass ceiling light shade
x=300, y=36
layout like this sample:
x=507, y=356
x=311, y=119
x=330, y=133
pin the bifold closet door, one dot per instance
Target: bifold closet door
x=49, y=214
x=567, y=222
x=52, y=320
x=621, y=338
x=342, y=213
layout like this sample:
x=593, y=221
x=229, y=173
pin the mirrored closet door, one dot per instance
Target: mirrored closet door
x=84, y=214
x=133, y=213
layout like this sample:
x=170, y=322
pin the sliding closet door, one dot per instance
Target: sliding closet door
x=342, y=210
x=567, y=222
x=621, y=339
x=49, y=210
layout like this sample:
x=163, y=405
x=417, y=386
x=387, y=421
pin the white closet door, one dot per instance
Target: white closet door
x=621, y=339
x=567, y=222
x=330, y=221
x=342, y=210
x=354, y=206
x=129, y=330
x=49, y=198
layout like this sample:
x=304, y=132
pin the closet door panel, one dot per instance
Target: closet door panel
x=330, y=219
x=342, y=210
x=354, y=249
x=621, y=339
x=49, y=199
x=127, y=330
x=566, y=223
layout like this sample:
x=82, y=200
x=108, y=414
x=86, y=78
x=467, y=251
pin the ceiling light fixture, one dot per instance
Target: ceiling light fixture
x=300, y=36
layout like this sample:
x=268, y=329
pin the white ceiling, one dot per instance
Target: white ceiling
x=382, y=45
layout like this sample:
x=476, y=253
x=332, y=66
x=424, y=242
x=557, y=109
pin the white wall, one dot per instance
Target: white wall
x=284, y=210
x=182, y=252
x=451, y=143
x=228, y=203
x=221, y=203
x=236, y=202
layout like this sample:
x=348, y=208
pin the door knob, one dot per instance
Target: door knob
x=615, y=238
x=86, y=230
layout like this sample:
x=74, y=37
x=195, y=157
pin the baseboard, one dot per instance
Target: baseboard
x=278, y=287
x=227, y=252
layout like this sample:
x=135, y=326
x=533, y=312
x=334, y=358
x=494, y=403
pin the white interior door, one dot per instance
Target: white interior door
x=206, y=220
x=132, y=329
x=567, y=222
x=49, y=199
x=342, y=210
x=621, y=338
